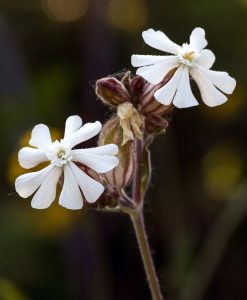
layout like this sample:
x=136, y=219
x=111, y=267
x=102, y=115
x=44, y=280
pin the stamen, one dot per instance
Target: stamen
x=61, y=154
x=189, y=55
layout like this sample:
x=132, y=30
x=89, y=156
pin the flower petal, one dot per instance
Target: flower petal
x=222, y=80
x=30, y=157
x=145, y=60
x=70, y=196
x=184, y=96
x=210, y=94
x=166, y=94
x=46, y=194
x=91, y=188
x=99, y=163
x=197, y=39
x=156, y=73
x=27, y=184
x=160, y=41
x=206, y=58
x=73, y=123
x=85, y=133
x=109, y=149
x=41, y=137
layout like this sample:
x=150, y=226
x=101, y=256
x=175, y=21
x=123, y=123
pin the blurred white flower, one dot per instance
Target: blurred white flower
x=62, y=158
x=190, y=59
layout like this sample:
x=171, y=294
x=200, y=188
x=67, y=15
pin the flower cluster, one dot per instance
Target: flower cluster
x=141, y=104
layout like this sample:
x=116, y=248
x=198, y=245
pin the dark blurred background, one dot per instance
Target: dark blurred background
x=51, y=53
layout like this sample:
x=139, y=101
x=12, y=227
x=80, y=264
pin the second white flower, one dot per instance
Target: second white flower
x=188, y=59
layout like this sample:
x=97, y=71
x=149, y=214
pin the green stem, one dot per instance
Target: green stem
x=139, y=226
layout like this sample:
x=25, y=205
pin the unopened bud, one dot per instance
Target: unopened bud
x=89, y=171
x=122, y=175
x=155, y=124
x=137, y=85
x=111, y=91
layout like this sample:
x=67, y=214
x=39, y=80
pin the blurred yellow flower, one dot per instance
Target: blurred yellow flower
x=8, y=291
x=129, y=15
x=222, y=170
x=65, y=10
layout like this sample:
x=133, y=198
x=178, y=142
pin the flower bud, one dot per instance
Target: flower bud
x=111, y=91
x=89, y=171
x=107, y=201
x=148, y=104
x=122, y=175
x=137, y=85
x=130, y=121
x=155, y=124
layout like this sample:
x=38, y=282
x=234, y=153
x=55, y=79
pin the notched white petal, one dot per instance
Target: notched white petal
x=90, y=188
x=197, y=39
x=99, y=163
x=41, y=137
x=157, y=72
x=222, y=80
x=30, y=157
x=166, y=94
x=210, y=94
x=184, y=97
x=206, y=58
x=145, y=60
x=160, y=41
x=109, y=149
x=46, y=194
x=27, y=184
x=71, y=196
x=85, y=133
x=73, y=123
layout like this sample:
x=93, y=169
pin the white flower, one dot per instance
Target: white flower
x=62, y=158
x=190, y=59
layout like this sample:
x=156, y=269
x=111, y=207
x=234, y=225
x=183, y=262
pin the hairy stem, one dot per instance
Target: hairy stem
x=136, y=216
x=137, y=177
x=139, y=226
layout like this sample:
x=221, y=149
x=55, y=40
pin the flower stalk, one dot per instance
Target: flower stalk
x=138, y=119
x=137, y=197
x=141, y=236
x=139, y=225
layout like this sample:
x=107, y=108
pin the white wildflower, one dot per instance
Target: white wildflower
x=188, y=59
x=63, y=158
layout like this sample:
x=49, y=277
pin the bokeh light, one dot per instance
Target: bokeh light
x=222, y=170
x=129, y=15
x=8, y=291
x=65, y=10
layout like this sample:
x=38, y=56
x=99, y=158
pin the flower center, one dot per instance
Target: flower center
x=59, y=154
x=62, y=158
x=189, y=56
